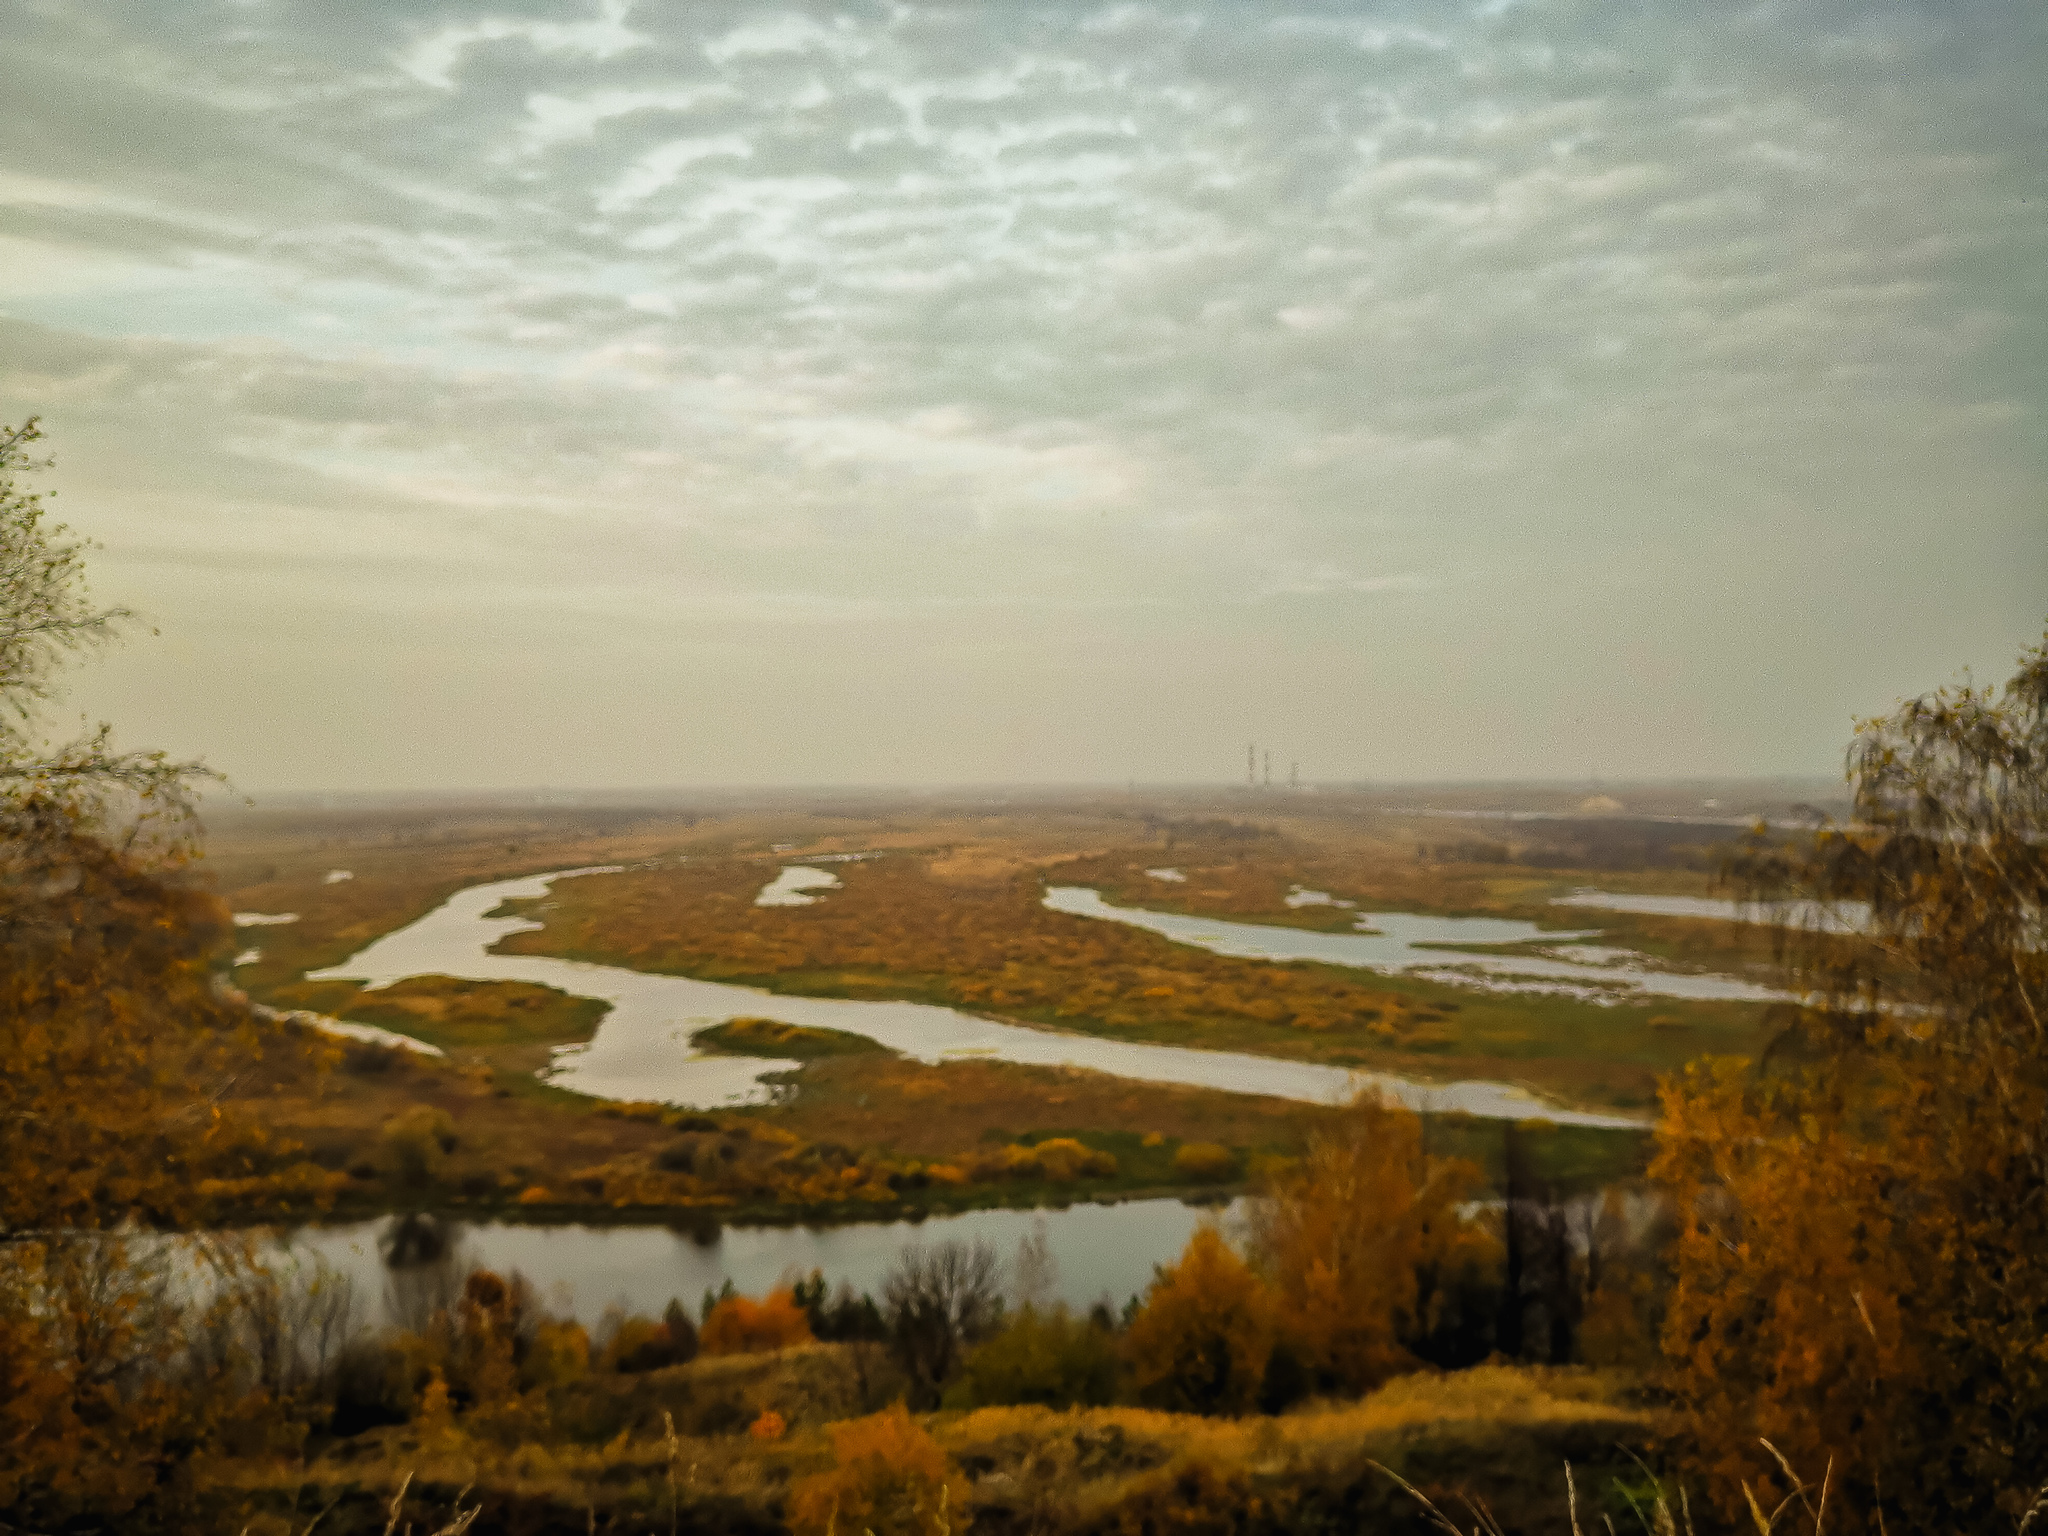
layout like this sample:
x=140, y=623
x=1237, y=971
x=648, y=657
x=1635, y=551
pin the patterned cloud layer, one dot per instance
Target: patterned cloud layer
x=542, y=392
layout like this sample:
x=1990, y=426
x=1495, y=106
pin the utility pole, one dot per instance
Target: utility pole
x=1294, y=775
x=1251, y=765
x=1269, y=770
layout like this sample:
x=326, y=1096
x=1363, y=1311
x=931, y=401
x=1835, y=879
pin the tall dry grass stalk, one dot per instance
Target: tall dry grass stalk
x=1657, y=1517
x=464, y=1518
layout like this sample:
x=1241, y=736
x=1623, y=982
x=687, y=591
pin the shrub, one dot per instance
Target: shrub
x=891, y=1479
x=1063, y=1160
x=418, y=1142
x=641, y=1344
x=1206, y=1162
x=1060, y=1159
x=1050, y=1358
x=741, y=1326
x=769, y=1426
x=558, y=1353
x=378, y=1380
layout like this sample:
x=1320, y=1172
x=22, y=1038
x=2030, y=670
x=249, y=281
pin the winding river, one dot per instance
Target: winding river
x=642, y=1050
x=1422, y=945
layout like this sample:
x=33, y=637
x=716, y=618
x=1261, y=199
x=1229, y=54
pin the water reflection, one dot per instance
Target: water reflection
x=416, y=1263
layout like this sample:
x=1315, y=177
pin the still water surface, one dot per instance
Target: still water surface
x=1097, y=1251
x=1417, y=944
x=642, y=1049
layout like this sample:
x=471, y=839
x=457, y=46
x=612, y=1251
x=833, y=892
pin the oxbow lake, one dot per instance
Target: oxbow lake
x=642, y=1050
x=1098, y=1251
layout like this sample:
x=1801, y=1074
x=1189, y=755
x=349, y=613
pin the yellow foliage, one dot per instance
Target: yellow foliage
x=1788, y=1321
x=891, y=1478
x=559, y=1352
x=1206, y=1161
x=1201, y=1341
x=1345, y=1235
x=769, y=1426
x=1060, y=1159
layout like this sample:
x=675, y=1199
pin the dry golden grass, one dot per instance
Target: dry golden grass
x=939, y=1111
x=1072, y=1470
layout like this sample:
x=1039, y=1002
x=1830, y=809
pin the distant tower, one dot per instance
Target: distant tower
x=1269, y=770
x=1251, y=764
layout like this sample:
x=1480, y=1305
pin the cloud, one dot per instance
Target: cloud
x=659, y=167
x=1322, y=580
x=916, y=312
x=433, y=59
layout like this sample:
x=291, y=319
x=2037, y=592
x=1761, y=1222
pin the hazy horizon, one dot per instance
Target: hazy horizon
x=1760, y=789
x=486, y=396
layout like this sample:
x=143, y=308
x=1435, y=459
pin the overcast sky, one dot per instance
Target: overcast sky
x=491, y=394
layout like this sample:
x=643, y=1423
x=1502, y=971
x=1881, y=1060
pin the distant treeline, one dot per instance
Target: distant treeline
x=1610, y=843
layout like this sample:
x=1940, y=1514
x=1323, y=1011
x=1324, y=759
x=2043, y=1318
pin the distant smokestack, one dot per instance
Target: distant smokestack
x=1269, y=770
x=1251, y=764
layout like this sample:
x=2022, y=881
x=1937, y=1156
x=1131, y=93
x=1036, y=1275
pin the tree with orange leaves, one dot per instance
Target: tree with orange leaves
x=1201, y=1341
x=1862, y=1265
x=115, y=1046
x=740, y=1326
x=1347, y=1237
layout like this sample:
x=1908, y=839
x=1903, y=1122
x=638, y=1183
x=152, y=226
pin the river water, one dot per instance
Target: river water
x=1097, y=1251
x=1416, y=944
x=642, y=1050
x=1847, y=917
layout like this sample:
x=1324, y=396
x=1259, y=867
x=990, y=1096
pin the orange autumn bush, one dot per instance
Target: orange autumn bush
x=891, y=1478
x=739, y=1325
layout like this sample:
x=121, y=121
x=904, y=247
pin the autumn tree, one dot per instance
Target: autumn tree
x=1365, y=1248
x=1862, y=1261
x=47, y=616
x=114, y=1041
x=1200, y=1342
x=938, y=1302
x=115, y=1049
x=739, y=1325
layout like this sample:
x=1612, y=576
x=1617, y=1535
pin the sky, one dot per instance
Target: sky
x=556, y=393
